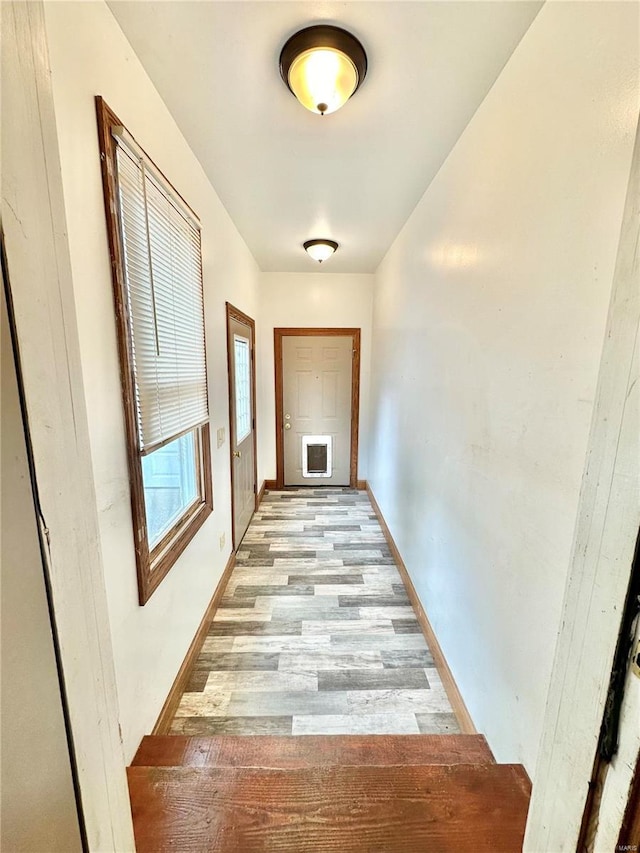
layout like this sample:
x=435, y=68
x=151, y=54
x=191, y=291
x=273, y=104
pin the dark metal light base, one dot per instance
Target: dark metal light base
x=318, y=36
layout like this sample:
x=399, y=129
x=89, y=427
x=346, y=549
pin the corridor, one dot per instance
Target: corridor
x=224, y=300
x=315, y=633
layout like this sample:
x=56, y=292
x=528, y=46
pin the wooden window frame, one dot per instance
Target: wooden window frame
x=152, y=564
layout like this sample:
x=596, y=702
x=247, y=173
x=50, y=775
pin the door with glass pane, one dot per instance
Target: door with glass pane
x=240, y=337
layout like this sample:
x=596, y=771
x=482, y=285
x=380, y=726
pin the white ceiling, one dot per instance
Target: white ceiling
x=286, y=175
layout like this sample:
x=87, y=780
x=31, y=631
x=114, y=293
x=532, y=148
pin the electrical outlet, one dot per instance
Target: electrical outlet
x=222, y=540
x=220, y=436
x=635, y=660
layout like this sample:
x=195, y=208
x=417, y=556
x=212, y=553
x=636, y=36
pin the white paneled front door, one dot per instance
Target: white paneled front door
x=317, y=403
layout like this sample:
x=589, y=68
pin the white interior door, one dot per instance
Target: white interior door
x=317, y=400
x=242, y=425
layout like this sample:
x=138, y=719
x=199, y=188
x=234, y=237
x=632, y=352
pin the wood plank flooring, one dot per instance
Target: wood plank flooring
x=315, y=634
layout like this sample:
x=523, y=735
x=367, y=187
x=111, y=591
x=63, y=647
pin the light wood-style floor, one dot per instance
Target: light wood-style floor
x=315, y=634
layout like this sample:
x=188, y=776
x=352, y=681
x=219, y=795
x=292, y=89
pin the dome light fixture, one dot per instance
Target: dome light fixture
x=320, y=250
x=323, y=66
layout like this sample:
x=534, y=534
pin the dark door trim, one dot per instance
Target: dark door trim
x=609, y=731
x=278, y=335
x=237, y=314
x=629, y=837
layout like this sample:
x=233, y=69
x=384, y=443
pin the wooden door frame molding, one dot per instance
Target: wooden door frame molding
x=354, y=334
x=630, y=829
x=236, y=314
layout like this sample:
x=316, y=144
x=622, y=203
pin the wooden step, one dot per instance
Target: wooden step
x=436, y=808
x=311, y=751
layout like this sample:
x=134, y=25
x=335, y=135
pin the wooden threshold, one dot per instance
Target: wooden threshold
x=455, y=697
x=436, y=808
x=291, y=752
x=177, y=689
x=270, y=485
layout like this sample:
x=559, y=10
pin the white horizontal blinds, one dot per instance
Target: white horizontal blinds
x=177, y=401
x=163, y=273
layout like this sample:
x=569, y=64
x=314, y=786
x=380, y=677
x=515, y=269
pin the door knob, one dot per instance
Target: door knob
x=237, y=453
x=287, y=426
x=287, y=417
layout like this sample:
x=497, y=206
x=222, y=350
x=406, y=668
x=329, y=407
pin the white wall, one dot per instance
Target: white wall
x=489, y=313
x=90, y=56
x=311, y=299
x=38, y=808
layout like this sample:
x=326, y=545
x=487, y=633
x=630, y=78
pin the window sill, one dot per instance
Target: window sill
x=153, y=573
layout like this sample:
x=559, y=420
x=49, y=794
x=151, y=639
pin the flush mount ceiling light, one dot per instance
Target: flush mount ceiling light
x=323, y=66
x=320, y=250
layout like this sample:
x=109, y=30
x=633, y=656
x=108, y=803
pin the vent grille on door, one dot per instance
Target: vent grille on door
x=316, y=455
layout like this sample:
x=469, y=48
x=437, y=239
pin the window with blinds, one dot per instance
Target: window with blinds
x=156, y=263
x=163, y=275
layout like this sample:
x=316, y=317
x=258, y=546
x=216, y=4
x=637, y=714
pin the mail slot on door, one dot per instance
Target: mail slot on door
x=316, y=455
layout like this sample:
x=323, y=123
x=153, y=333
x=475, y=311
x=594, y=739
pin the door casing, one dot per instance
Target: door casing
x=278, y=335
x=237, y=314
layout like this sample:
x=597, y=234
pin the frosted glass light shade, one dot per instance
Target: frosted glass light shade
x=323, y=79
x=323, y=66
x=320, y=250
